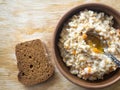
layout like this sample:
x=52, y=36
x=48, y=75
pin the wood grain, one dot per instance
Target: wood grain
x=22, y=20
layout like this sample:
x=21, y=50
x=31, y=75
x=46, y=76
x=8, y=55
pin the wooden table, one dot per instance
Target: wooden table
x=22, y=20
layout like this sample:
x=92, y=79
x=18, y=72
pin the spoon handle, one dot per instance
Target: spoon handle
x=114, y=59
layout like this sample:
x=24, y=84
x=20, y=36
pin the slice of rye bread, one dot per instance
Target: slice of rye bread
x=33, y=63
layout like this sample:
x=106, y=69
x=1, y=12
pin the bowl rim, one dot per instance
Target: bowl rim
x=54, y=52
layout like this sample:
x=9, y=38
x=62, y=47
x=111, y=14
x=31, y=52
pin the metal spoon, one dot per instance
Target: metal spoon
x=104, y=44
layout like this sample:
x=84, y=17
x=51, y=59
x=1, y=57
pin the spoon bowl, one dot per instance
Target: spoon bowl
x=100, y=44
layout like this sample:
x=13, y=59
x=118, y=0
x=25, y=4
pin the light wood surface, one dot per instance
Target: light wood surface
x=22, y=20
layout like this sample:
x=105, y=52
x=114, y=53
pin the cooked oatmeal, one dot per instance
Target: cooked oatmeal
x=84, y=59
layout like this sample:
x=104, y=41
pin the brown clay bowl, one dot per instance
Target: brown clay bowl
x=108, y=79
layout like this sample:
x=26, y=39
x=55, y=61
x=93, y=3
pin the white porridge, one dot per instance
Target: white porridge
x=84, y=59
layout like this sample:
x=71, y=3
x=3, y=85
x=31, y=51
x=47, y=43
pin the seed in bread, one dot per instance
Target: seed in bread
x=33, y=64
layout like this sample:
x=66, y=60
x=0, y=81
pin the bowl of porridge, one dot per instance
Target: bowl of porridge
x=78, y=45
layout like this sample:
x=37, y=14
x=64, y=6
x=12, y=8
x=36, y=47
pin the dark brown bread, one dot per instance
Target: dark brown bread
x=33, y=63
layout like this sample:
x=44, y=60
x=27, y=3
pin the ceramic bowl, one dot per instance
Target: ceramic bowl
x=108, y=79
